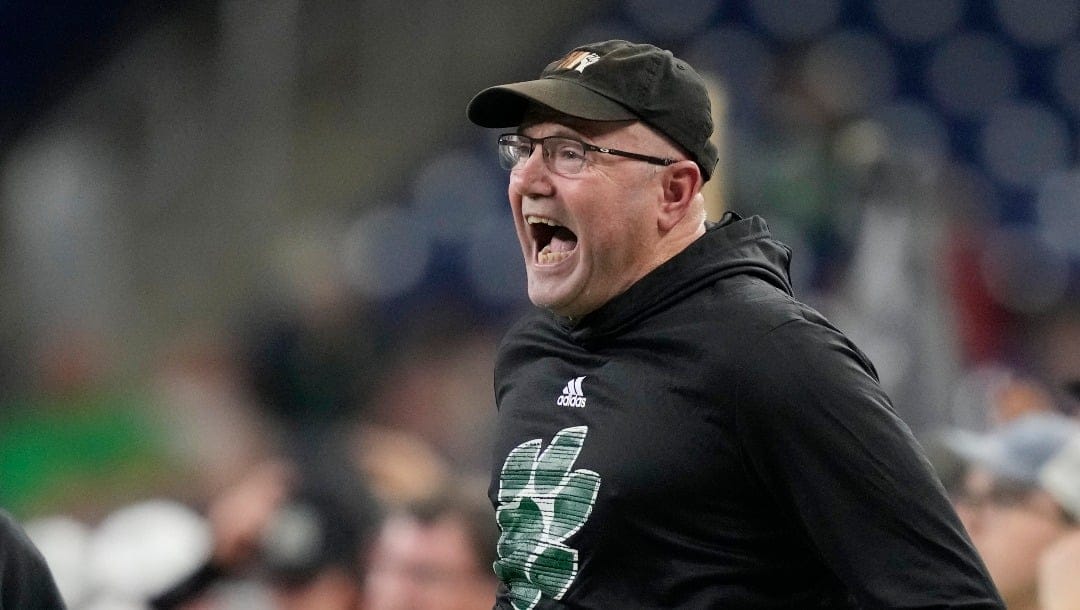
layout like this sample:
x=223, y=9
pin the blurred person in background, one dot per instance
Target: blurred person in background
x=25, y=580
x=1015, y=515
x=436, y=554
x=1059, y=565
x=305, y=540
x=676, y=430
x=1007, y=397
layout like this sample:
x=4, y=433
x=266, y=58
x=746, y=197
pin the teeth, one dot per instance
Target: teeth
x=547, y=257
x=540, y=220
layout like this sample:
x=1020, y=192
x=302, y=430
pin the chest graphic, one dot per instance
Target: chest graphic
x=542, y=502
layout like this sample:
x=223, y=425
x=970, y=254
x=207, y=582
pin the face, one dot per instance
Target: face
x=417, y=566
x=587, y=237
x=1011, y=531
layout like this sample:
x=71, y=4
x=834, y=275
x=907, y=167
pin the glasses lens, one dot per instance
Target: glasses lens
x=564, y=156
x=513, y=149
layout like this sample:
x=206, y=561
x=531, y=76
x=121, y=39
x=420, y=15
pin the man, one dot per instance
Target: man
x=1020, y=499
x=434, y=555
x=25, y=579
x=675, y=430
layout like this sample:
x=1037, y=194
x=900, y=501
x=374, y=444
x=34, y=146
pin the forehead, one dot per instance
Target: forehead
x=542, y=116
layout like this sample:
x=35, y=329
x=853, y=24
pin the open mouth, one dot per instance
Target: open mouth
x=554, y=242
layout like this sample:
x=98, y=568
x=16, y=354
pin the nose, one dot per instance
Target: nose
x=532, y=176
x=536, y=155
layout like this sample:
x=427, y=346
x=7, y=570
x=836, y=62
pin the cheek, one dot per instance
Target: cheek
x=513, y=195
x=617, y=234
x=600, y=239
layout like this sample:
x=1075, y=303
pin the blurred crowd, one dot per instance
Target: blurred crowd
x=1017, y=491
x=295, y=463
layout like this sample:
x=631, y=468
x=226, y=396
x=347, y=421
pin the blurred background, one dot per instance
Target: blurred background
x=231, y=230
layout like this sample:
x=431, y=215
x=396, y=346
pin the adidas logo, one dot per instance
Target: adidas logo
x=572, y=396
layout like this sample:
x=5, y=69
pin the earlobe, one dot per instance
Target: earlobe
x=681, y=182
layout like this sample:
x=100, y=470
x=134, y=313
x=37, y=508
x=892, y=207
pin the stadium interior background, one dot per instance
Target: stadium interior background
x=236, y=228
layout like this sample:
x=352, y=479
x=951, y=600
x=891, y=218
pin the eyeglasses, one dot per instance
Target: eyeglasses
x=562, y=155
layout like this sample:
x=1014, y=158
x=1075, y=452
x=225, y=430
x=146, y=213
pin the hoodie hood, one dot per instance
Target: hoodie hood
x=732, y=246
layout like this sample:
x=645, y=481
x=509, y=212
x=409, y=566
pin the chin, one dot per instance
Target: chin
x=546, y=300
x=543, y=302
x=558, y=291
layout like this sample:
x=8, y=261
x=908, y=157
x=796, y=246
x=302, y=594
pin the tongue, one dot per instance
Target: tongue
x=563, y=240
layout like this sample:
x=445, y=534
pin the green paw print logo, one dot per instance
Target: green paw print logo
x=542, y=502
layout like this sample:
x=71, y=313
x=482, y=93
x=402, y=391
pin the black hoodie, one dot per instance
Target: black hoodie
x=25, y=580
x=704, y=440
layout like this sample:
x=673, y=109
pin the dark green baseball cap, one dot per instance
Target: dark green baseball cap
x=613, y=80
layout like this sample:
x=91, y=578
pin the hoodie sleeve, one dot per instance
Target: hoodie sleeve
x=824, y=440
x=25, y=580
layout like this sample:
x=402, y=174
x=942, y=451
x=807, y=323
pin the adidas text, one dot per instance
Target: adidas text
x=572, y=396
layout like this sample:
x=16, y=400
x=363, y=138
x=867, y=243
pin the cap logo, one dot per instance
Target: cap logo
x=578, y=60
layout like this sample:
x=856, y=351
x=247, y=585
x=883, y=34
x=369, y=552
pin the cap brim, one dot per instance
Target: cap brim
x=505, y=105
x=969, y=446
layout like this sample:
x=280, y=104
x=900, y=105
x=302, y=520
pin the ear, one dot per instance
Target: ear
x=680, y=182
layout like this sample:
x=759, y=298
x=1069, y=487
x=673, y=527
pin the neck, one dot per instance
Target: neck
x=677, y=240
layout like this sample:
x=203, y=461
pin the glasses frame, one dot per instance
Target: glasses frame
x=587, y=147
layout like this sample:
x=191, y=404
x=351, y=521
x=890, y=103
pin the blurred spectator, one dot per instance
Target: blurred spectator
x=1013, y=516
x=435, y=555
x=302, y=536
x=25, y=580
x=136, y=551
